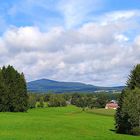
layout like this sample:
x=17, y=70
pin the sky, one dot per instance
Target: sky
x=90, y=41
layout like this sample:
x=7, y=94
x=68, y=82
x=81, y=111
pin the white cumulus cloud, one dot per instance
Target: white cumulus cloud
x=96, y=53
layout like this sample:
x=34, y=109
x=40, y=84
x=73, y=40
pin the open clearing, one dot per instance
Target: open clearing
x=65, y=123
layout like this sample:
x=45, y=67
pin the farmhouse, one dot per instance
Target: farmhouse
x=111, y=105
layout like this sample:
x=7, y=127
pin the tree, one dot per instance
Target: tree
x=92, y=102
x=56, y=101
x=128, y=114
x=47, y=97
x=13, y=89
x=134, y=78
x=101, y=100
x=83, y=102
x=80, y=101
x=32, y=101
x=41, y=102
x=121, y=116
x=3, y=94
x=74, y=99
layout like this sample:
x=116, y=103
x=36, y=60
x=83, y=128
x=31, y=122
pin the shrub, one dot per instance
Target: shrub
x=40, y=104
x=135, y=131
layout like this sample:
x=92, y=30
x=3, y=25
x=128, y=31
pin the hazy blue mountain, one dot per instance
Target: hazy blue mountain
x=45, y=85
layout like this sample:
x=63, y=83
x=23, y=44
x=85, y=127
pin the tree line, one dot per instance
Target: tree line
x=81, y=100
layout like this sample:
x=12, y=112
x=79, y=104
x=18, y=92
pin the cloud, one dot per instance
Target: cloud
x=96, y=53
x=54, y=12
x=77, y=12
x=119, y=15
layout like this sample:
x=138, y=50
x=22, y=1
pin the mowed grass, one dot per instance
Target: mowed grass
x=65, y=123
x=102, y=111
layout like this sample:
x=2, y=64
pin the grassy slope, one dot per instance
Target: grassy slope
x=102, y=111
x=67, y=123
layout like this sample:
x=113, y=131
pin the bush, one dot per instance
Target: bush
x=37, y=104
x=135, y=131
x=40, y=105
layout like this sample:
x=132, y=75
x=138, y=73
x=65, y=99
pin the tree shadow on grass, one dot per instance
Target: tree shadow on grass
x=112, y=130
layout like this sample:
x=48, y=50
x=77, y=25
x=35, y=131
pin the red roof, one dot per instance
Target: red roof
x=111, y=105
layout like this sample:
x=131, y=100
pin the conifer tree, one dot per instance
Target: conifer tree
x=13, y=89
x=128, y=114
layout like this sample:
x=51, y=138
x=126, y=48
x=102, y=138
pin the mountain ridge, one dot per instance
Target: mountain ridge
x=45, y=85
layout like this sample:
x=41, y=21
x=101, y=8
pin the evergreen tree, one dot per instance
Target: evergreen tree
x=3, y=94
x=122, y=123
x=134, y=78
x=14, y=91
x=128, y=114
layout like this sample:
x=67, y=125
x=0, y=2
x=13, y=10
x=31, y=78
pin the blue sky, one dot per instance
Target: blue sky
x=90, y=41
x=52, y=12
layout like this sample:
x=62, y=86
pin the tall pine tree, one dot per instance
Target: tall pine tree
x=128, y=114
x=13, y=89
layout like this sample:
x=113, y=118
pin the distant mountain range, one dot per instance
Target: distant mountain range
x=46, y=85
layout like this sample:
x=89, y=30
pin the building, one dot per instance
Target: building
x=111, y=105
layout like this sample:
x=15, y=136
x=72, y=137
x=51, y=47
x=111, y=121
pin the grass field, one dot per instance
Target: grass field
x=66, y=123
x=102, y=111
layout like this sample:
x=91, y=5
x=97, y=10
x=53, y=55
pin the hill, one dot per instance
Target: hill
x=45, y=85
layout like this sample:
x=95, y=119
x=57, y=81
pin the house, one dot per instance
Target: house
x=111, y=105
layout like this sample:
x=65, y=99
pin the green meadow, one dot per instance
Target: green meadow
x=60, y=123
